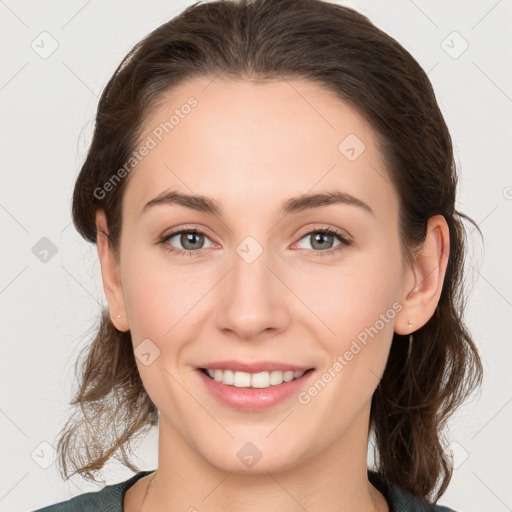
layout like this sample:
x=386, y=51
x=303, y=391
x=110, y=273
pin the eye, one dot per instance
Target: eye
x=192, y=240
x=323, y=238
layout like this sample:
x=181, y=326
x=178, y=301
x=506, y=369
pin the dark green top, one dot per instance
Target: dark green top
x=110, y=498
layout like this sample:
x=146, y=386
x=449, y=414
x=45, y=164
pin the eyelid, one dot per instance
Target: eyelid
x=321, y=227
x=303, y=232
x=187, y=227
x=308, y=230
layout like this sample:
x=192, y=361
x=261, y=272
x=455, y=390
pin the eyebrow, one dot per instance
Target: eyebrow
x=292, y=205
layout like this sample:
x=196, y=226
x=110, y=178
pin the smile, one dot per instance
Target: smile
x=252, y=380
x=254, y=391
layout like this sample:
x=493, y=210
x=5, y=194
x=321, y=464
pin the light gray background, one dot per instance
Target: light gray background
x=50, y=308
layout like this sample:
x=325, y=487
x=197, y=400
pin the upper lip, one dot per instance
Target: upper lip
x=253, y=366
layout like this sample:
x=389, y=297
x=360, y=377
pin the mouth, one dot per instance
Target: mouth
x=259, y=380
x=254, y=391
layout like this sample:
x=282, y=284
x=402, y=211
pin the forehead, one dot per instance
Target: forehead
x=252, y=144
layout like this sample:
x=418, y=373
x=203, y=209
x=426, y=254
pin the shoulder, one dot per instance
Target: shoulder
x=399, y=500
x=108, y=499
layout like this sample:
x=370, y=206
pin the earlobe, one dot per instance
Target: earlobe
x=110, y=274
x=424, y=282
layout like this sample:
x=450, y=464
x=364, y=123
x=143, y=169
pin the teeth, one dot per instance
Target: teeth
x=254, y=380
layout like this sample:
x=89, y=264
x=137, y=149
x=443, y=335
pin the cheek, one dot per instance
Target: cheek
x=357, y=293
x=157, y=293
x=359, y=304
x=361, y=313
x=147, y=299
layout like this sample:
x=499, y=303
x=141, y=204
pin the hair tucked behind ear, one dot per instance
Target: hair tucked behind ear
x=418, y=393
x=342, y=51
x=114, y=407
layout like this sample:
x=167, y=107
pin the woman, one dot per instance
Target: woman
x=230, y=145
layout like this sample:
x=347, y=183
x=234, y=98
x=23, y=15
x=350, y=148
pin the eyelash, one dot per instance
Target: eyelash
x=329, y=231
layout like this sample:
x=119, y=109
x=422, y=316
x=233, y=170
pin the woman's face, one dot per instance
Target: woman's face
x=261, y=284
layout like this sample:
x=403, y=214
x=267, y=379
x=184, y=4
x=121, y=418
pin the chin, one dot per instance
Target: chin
x=258, y=456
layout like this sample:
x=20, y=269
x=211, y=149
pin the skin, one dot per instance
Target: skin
x=251, y=146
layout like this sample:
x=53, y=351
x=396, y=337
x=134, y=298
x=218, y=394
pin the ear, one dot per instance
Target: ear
x=424, y=280
x=110, y=274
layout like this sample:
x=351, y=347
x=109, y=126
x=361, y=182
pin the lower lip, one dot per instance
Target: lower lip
x=254, y=399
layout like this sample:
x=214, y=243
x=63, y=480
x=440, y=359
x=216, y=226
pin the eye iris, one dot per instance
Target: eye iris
x=320, y=237
x=189, y=237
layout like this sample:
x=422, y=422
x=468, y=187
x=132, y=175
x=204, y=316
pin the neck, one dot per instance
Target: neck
x=334, y=480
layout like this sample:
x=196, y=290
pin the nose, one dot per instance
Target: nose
x=253, y=301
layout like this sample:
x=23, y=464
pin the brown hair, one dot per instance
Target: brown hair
x=340, y=49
